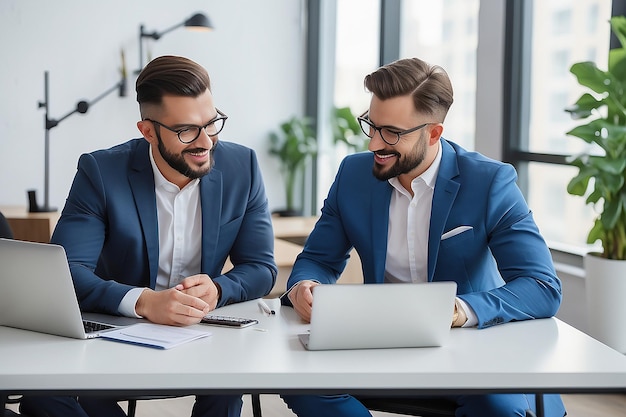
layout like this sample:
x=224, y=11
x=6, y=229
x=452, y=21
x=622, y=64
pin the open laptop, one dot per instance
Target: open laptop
x=368, y=316
x=37, y=292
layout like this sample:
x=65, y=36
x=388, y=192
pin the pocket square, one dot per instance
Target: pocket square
x=455, y=231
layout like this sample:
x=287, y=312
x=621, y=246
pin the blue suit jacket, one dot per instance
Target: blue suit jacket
x=502, y=265
x=110, y=233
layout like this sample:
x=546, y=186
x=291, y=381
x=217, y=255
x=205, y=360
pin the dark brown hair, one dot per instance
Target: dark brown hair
x=173, y=75
x=428, y=84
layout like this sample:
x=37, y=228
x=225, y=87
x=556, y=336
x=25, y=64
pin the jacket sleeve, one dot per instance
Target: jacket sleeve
x=81, y=231
x=532, y=288
x=327, y=249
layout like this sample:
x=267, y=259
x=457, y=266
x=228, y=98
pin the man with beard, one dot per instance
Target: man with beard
x=419, y=208
x=148, y=224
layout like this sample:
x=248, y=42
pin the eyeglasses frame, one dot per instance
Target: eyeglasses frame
x=363, y=117
x=221, y=116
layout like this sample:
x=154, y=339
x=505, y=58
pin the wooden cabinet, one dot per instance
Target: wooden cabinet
x=33, y=227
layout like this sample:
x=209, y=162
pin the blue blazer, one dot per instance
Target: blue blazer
x=502, y=265
x=109, y=227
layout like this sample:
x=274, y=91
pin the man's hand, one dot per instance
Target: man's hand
x=459, y=318
x=301, y=296
x=171, y=306
x=202, y=287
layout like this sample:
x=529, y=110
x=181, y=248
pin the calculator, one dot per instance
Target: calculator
x=228, y=321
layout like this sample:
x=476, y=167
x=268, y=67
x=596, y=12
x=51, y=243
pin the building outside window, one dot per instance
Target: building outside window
x=561, y=34
x=445, y=33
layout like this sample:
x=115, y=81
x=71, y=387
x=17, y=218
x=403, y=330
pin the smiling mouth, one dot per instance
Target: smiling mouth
x=384, y=157
x=197, y=152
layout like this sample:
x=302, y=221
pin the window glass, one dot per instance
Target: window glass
x=356, y=51
x=356, y=35
x=561, y=217
x=563, y=33
x=446, y=33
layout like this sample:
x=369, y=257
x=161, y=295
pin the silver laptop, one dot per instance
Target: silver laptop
x=37, y=292
x=358, y=316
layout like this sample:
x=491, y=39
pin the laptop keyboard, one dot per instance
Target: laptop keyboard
x=92, y=326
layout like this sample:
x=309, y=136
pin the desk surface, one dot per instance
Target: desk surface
x=539, y=355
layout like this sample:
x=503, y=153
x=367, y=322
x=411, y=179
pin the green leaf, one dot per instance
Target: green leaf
x=618, y=26
x=611, y=213
x=610, y=184
x=594, y=197
x=584, y=106
x=590, y=132
x=596, y=232
x=610, y=167
x=578, y=185
x=589, y=75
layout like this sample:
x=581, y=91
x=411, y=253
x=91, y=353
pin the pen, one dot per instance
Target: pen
x=265, y=308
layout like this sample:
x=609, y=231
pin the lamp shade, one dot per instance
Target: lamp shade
x=199, y=21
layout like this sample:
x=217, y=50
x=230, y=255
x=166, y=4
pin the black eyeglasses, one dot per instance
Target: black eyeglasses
x=189, y=133
x=389, y=135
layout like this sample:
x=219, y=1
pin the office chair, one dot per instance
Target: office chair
x=422, y=407
x=4, y=399
x=405, y=406
x=132, y=404
x=5, y=228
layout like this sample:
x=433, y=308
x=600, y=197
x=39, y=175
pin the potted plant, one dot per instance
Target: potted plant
x=293, y=144
x=346, y=130
x=602, y=179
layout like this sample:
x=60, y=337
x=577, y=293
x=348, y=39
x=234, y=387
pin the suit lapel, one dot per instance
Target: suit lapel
x=444, y=195
x=141, y=180
x=379, y=218
x=211, y=194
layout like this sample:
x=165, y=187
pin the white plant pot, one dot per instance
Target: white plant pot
x=605, y=285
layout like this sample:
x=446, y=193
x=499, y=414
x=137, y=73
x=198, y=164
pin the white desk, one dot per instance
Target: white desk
x=533, y=356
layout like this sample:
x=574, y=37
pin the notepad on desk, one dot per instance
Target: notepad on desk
x=152, y=335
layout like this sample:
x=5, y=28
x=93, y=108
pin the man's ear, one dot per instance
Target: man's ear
x=147, y=131
x=435, y=133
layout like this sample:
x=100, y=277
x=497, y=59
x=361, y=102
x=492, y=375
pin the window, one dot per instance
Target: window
x=356, y=40
x=446, y=34
x=557, y=34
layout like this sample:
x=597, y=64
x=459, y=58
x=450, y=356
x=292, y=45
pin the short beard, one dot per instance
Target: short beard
x=404, y=164
x=179, y=164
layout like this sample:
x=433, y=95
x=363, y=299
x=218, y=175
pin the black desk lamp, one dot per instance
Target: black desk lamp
x=81, y=107
x=198, y=21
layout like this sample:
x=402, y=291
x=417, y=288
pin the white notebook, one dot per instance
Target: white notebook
x=152, y=335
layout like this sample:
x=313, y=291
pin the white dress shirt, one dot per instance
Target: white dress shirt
x=180, y=235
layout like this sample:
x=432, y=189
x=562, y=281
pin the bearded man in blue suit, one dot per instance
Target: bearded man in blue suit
x=419, y=208
x=148, y=224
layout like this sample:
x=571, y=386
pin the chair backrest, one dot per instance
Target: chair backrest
x=422, y=407
x=5, y=228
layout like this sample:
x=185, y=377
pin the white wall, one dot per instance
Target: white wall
x=255, y=57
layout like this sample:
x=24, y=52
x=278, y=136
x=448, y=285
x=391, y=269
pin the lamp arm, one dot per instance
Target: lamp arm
x=153, y=35
x=82, y=106
x=157, y=35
